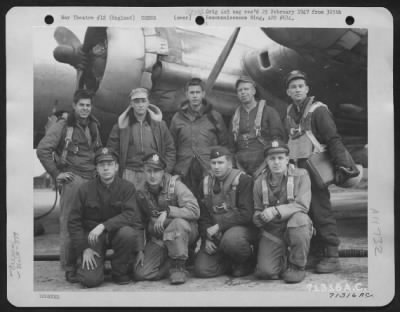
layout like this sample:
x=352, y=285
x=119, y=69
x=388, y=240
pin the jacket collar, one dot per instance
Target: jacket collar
x=114, y=184
x=225, y=177
x=244, y=109
x=162, y=187
x=128, y=117
x=72, y=121
x=291, y=171
x=303, y=105
x=185, y=109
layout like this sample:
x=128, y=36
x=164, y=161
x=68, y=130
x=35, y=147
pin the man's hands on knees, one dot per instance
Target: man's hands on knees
x=213, y=231
x=65, y=177
x=94, y=234
x=210, y=247
x=88, y=260
x=139, y=258
x=159, y=224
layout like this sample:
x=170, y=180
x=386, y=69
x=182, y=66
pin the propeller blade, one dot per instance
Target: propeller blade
x=64, y=36
x=69, y=44
x=221, y=60
x=92, y=36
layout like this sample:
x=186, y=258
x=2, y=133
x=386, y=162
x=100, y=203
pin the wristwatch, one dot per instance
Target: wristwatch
x=278, y=213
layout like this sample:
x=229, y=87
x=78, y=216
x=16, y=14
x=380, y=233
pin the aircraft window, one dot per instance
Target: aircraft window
x=265, y=59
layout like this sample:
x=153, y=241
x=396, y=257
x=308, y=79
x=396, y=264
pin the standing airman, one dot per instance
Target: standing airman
x=310, y=126
x=254, y=124
x=72, y=142
x=140, y=130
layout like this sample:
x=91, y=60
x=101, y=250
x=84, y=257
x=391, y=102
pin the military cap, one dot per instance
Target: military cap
x=244, y=79
x=139, y=93
x=276, y=146
x=219, y=151
x=154, y=160
x=105, y=153
x=295, y=74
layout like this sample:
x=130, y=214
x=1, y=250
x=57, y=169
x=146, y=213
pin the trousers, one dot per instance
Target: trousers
x=286, y=242
x=123, y=242
x=321, y=214
x=194, y=177
x=236, y=246
x=177, y=237
x=68, y=196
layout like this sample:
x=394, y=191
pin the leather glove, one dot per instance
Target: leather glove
x=342, y=174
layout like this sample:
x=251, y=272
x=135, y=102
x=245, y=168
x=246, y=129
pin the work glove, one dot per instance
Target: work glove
x=342, y=174
x=268, y=214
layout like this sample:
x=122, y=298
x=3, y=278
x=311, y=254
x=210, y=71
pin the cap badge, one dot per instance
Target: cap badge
x=104, y=151
x=155, y=158
x=275, y=144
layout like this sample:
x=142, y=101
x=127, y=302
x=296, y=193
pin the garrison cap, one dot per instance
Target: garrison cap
x=154, y=160
x=276, y=146
x=245, y=79
x=219, y=151
x=139, y=93
x=295, y=74
x=105, y=153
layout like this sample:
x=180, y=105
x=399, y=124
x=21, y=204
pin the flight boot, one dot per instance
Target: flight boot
x=247, y=267
x=315, y=256
x=177, y=272
x=330, y=262
x=293, y=274
x=121, y=280
x=71, y=277
x=242, y=269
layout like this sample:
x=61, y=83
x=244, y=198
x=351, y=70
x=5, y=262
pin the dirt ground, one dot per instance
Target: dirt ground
x=48, y=277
